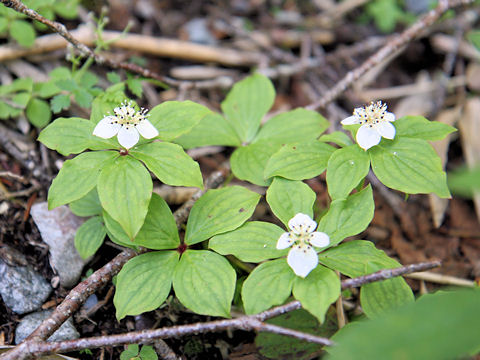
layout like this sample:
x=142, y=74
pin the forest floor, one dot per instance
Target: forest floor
x=437, y=75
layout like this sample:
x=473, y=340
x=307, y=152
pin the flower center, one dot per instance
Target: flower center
x=126, y=115
x=371, y=114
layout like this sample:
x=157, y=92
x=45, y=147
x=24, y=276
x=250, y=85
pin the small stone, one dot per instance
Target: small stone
x=58, y=228
x=198, y=32
x=22, y=288
x=4, y=207
x=30, y=322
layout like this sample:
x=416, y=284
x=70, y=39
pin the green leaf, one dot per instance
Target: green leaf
x=337, y=137
x=71, y=136
x=267, y=285
x=113, y=77
x=18, y=85
x=104, y=104
x=132, y=351
x=299, y=125
x=125, y=188
x=274, y=346
x=299, y=161
x=175, y=118
x=287, y=198
x=45, y=89
x=83, y=97
x=346, y=168
x=254, y=241
x=144, y=282
x=21, y=99
x=420, y=128
x=89, y=236
x=159, y=230
x=213, y=129
x=38, y=112
x=348, y=217
x=67, y=84
x=77, y=177
x=381, y=297
x=353, y=258
x=219, y=211
x=464, y=181
x=205, y=282
x=247, y=103
x=317, y=291
x=116, y=233
x=86, y=79
x=3, y=24
x=474, y=37
x=23, y=32
x=147, y=353
x=409, y=165
x=170, y=164
x=135, y=86
x=88, y=205
x=249, y=162
x=60, y=102
x=60, y=73
x=440, y=326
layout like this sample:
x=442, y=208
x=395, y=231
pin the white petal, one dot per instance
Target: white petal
x=128, y=136
x=146, y=129
x=367, y=137
x=349, y=120
x=319, y=239
x=285, y=241
x=389, y=116
x=301, y=224
x=386, y=129
x=106, y=128
x=302, y=260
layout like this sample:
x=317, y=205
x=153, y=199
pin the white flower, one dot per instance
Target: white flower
x=375, y=121
x=302, y=257
x=128, y=123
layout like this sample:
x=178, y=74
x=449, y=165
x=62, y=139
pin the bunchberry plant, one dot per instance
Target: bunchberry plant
x=302, y=257
x=120, y=146
x=375, y=123
x=133, y=352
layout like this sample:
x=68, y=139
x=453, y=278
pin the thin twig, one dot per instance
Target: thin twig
x=252, y=322
x=389, y=273
x=393, y=45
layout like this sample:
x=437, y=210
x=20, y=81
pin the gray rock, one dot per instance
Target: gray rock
x=22, y=288
x=198, y=32
x=58, y=228
x=30, y=322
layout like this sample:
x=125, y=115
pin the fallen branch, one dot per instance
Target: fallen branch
x=388, y=49
x=252, y=322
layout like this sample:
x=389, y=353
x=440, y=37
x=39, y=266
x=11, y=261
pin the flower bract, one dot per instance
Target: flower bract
x=302, y=257
x=376, y=123
x=128, y=124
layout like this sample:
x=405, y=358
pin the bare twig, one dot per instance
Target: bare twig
x=388, y=274
x=252, y=322
x=392, y=46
